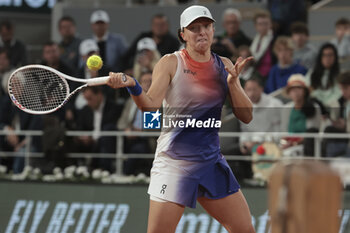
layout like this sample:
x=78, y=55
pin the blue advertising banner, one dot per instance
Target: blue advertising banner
x=95, y=208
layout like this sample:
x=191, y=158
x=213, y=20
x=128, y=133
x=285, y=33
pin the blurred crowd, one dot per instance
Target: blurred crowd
x=295, y=87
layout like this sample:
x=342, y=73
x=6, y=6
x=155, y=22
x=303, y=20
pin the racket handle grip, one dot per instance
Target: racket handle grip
x=98, y=81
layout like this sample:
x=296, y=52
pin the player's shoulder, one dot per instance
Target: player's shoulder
x=168, y=59
x=168, y=64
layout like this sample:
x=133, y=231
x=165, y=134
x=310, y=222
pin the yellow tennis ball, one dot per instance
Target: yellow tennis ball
x=94, y=62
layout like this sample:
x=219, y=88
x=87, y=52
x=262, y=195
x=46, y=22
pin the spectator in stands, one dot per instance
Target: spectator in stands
x=15, y=48
x=322, y=78
x=69, y=45
x=342, y=37
x=280, y=73
x=112, y=46
x=232, y=37
x=301, y=114
x=231, y=21
x=131, y=120
x=304, y=52
x=5, y=71
x=266, y=112
x=146, y=58
x=51, y=58
x=11, y=119
x=100, y=114
x=340, y=118
x=55, y=124
x=165, y=41
x=261, y=47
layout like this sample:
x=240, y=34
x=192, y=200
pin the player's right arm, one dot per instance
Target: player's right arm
x=162, y=74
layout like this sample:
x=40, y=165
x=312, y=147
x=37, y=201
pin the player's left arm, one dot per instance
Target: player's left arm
x=242, y=107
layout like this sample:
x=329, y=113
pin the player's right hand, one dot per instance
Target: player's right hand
x=116, y=80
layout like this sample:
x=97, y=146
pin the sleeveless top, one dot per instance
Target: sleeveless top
x=194, y=97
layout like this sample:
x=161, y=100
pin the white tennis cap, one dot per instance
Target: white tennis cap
x=146, y=43
x=192, y=13
x=99, y=15
x=87, y=46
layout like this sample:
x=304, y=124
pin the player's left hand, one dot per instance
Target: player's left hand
x=236, y=69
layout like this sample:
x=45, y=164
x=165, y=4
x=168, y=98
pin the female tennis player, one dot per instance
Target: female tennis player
x=188, y=166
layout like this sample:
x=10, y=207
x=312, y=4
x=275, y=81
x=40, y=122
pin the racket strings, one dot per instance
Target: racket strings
x=38, y=89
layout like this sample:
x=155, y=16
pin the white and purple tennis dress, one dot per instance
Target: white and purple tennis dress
x=188, y=162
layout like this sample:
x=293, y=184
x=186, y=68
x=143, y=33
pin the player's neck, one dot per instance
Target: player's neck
x=199, y=56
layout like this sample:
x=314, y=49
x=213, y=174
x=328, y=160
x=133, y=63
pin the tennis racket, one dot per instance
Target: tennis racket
x=39, y=89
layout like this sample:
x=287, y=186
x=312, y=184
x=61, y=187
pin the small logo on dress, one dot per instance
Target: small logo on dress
x=162, y=191
x=186, y=71
x=151, y=120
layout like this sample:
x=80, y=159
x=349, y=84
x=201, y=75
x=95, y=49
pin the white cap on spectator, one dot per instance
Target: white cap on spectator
x=99, y=15
x=192, y=13
x=146, y=43
x=87, y=46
